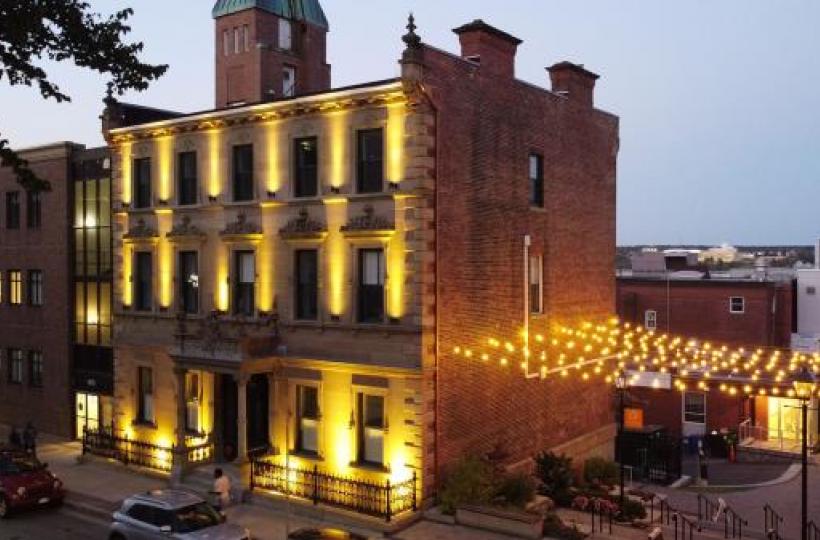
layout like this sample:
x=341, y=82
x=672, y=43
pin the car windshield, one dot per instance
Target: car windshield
x=196, y=517
x=14, y=464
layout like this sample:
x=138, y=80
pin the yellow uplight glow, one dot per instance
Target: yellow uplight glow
x=165, y=259
x=273, y=183
x=127, y=175
x=396, y=114
x=165, y=154
x=126, y=275
x=215, y=142
x=337, y=127
x=336, y=258
x=395, y=265
x=222, y=271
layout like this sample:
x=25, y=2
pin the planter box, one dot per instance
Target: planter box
x=520, y=524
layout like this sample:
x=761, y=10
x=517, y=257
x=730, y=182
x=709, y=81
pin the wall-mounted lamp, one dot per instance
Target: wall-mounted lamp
x=271, y=194
x=212, y=199
x=163, y=202
x=335, y=318
x=335, y=190
x=394, y=186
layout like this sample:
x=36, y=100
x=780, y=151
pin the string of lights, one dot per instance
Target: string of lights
x=606, y=350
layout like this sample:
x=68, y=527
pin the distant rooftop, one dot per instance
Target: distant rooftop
x=299, y=10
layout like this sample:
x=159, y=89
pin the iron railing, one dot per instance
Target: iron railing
x=600, y=516
x=684, y=524
x=382, y=500
x=105, y=443
x=772, y=523
x=709, y=510
x=813, y=532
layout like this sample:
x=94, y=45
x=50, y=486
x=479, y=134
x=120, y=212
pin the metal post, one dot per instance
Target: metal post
x=315, y=484
x=389, y=494
x=621, y=443
x=415, y=495
x=804, y=522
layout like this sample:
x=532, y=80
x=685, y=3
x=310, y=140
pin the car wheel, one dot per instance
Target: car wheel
x=4, y=508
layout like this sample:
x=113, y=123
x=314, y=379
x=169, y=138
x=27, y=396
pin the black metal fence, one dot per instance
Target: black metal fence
x=709, y=510
x=105, y=443
x=772, y=523
x=382, y=500
x=653, y=456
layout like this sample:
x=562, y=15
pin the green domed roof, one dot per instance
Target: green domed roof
x=300, y=10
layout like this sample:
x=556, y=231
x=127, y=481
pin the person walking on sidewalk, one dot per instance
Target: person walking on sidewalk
x=222, y=489
x=30, y=439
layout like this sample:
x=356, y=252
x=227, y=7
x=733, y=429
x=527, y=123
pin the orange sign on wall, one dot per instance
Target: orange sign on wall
x=633, y=418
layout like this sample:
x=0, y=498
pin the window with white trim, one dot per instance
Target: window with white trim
x=650, y=319
x=307, y=418
x=694, y=407
x=285, y=35
x=737, y=304
x=536, y=284
x=371, y=427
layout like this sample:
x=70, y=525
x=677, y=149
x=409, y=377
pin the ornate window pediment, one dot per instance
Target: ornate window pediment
x=241, y=229
x=369, y=224
x=185, y=231
x=303, y=228
x=141, y=232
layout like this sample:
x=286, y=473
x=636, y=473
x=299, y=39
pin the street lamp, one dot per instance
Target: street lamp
x=620, y=384
x=804, y=385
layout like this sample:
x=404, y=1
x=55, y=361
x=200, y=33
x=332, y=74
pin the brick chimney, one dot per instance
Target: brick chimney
x=574, y=81
x=492, y=48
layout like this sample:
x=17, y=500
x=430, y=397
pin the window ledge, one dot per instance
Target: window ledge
x=144, y=424
x=539, y=209
x=302, y=454
x=372, y=467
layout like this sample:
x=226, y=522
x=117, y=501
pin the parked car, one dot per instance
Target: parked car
x=324, y=534
x=26, y=483
x=170, y=513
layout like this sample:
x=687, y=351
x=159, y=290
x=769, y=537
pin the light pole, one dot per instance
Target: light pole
x=804, y=386
x=620, y=384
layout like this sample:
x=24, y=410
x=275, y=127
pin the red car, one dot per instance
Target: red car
x=26, y=483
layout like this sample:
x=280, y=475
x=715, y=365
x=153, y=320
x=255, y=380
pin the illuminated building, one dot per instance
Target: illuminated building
x=293, y=267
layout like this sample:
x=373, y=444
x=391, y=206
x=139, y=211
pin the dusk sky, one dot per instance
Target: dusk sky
x=719, y=101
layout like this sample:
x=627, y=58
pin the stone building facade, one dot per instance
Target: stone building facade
x=293, y=274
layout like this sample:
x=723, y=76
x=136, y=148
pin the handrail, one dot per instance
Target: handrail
x=772, y=521
x=711, y=510
x=813, y=532
x=597, y=509
x=683, y=522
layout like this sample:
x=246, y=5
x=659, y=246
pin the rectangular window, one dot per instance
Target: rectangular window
x=246, y=38
x=34, y=209
x=650, y=319
x=285, y=35
x=35, y=368
x=307, y=284
x=307, y=417
x=536, y=284
x=288, y=81
x=694, y=408
x=143, y=281
x=226, y=42
x=237, y=41
x=193, y=401
x=188, y=272
x=145, y=405
x=15, y=368
x=737, y=304
x=537, y=180
x=306, y=160
x=35, y=287
x=142, y=183
x=371, y=426
x=187, y=182
x=371, y=286
x=244, y=283
x=15, y=287
x=13, y=210
x=2, y=288
x=370, y=169
x=243, y=173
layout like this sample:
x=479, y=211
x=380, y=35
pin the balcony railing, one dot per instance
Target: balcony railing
x=383, y=500
x=105, y=443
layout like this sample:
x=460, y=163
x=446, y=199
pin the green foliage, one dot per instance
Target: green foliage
x=469, y=482
x=556, y=477
x=632, y=510
x=555, y=528
x=58, y=31
x=516, y=489
x=600, y=471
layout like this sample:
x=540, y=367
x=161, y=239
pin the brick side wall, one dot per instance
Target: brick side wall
x=487, y=126
x=701, y=309
x=665, y=408
x=43, y=328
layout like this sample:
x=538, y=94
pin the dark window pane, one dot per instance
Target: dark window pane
x=243, y=172
x=244, y=283
x=142, y=183
x=35, y=368
x=13, y=210
x=307, y=284
x=371, y=286
x=143, y=282
x=35, y=287
x=34, y=209
x=145, y=381
x=370, y=161
x=187, y=178
x=306, y=159
x=189, y=281
x=536, y=180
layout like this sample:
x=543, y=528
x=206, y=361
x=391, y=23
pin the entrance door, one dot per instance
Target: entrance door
x=229, y=411
x=257, y=410
x=87, y=412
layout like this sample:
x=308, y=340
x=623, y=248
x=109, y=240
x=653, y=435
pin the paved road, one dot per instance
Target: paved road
x=60, y=524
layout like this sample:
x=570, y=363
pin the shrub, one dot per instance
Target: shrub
x=600, y=471
x=555, y=528
x=556, y=477
x=516, y=489
x=632, y=510
x=469, y=482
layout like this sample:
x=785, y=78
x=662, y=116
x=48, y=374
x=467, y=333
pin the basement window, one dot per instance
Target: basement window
x=737, y=305
x=650, y=319
x=811, y=291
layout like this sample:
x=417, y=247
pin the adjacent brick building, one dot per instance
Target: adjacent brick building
x=294, y=273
